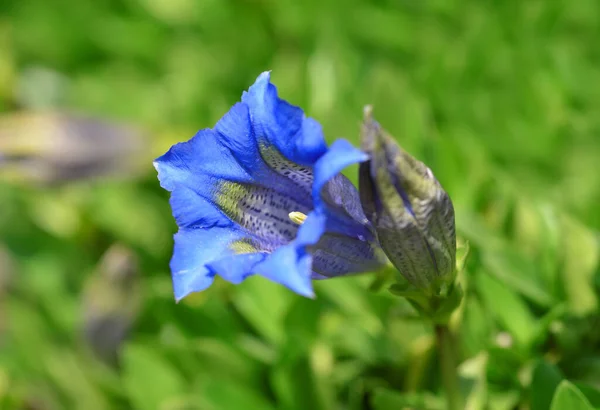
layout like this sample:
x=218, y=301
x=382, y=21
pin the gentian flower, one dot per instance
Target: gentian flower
x=412, y=214
x=261, y=193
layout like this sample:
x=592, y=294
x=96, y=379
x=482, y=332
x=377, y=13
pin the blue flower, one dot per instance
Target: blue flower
x=261, y=193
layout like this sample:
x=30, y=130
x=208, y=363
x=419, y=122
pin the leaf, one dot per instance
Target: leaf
x=569, y=397
x=508, y=308
x=385, y=399
x=303, y=376
x=218, y=394
x=504, y=365
x=518, y=273
x=503, y=261
x=132, y=215
x=473, y=374
x=592, y=393
x=580, y=260
x=4, y=384
x=73, y=380
x=222, y=359
x=352, y=300
x=295, y=384
x=504, y=400
x=264, y=304
x=476, y=327
x=301, y=322
x=356, y=393
x=149, y=379
x=545, y=380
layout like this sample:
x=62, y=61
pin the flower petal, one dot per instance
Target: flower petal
x=192, y=210
x=200, y=254
x=291, y=265
x=334, y=194
x=236, y=268
x=298, y=138
x=349, y=245
x=337, y=255
x=340, y=155
x=262, y=160
x=194, y=248
x=189, y=163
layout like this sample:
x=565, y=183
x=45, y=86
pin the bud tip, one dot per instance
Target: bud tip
x=368, y=112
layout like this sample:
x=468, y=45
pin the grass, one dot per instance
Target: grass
x=500, y=99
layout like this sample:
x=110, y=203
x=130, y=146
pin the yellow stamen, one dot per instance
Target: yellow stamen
x=297, y=217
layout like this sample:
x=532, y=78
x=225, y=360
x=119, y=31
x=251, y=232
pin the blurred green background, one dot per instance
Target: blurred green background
x=500, y=98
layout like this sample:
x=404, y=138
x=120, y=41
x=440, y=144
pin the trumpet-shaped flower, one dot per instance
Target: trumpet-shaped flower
x=261, y=193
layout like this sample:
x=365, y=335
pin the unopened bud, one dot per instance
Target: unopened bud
x=411, y=212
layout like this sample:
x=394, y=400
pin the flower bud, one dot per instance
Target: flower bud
x=411, y=212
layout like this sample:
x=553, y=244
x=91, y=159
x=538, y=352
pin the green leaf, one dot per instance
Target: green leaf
x=569, y=397
x=504, y=365
x=504, y=262
x=504, y=400
x=518, y=273
x=385, y=399
x=132, y=215
x=473, y=377
x=592, y=393
x=508, y=307
x=218, y=394
x=352, y=300
x=303, y=376
x=545, y=380
x=302, y=321
x=149, y=379
x=222, y=359
x=580, y=259
x=475, y=328
x=264, y=304
x=296, y=385
x=538, y=234
x=73, y=380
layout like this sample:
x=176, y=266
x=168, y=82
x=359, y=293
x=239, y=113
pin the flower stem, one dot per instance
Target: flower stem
x=448, y=364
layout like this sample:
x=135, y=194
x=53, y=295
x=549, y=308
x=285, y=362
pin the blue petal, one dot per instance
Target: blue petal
x=260, y=159
x=341, y=192
x=291, y=265
x=236, y=268
x=193, y=171
x=349, y=246
x=194, y=248
x=298, y=138
x=336, y=196
x=336, y=255
x=200, y=254
x=192, y=210
x=189, y=163
x=236, y=133
x=340, y=155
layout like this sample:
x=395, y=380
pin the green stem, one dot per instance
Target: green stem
x=448, y=364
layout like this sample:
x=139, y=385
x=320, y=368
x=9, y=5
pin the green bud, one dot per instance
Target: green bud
x=411, y=212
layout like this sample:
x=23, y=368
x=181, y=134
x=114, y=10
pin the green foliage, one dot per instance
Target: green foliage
x=546, y=378
x=567, y=396
x=500, y=99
